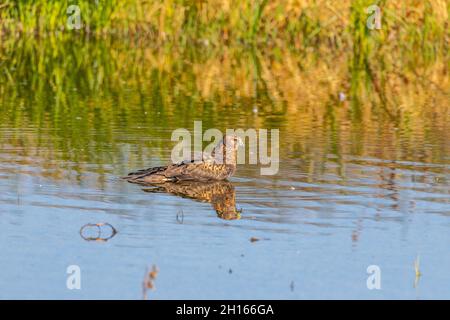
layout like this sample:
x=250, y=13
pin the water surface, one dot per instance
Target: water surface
x=356, y=186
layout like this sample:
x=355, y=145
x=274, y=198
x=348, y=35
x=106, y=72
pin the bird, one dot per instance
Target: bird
x=220, y=194
x=220, y=164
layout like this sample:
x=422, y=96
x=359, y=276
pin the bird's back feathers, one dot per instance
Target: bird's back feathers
x=218, y=166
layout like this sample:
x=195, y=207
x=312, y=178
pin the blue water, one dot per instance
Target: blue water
x=318, y=231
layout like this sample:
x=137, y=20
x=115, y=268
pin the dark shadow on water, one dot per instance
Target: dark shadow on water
x=221, y=194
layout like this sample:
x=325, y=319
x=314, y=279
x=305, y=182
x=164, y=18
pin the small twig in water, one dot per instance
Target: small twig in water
x=417, y=271
x=180, y=216
x=149, y=279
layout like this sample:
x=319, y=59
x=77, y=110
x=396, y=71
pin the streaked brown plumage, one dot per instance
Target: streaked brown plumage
x=219, y=165
x=220, y=194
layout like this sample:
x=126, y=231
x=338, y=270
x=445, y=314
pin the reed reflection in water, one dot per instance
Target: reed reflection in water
x=364, y=171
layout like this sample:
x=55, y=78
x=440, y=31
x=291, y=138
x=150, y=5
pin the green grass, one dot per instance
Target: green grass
x=301, y=23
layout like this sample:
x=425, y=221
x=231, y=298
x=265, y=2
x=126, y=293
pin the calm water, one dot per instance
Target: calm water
x=355, y=187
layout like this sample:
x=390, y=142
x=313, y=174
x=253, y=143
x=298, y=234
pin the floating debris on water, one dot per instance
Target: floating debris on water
x=180, y=216
x=100, y=227
x=417, y=271
x=149, y=280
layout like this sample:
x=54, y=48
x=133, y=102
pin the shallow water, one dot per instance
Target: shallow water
x=352, y=191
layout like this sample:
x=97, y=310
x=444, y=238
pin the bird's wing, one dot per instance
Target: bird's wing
x=201, y=168
x=197, y=171
x=198, y=157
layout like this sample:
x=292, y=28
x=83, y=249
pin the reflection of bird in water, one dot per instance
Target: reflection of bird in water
x=219, y=165
x=220, y=194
